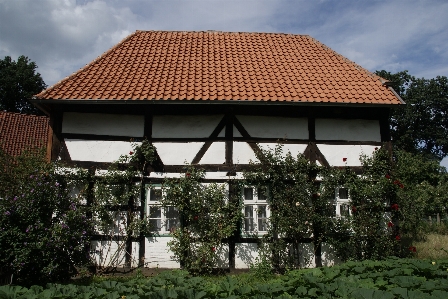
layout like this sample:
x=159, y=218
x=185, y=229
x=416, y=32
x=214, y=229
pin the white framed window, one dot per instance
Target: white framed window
x=256, y=210
x=161, y=219
x=342, y=202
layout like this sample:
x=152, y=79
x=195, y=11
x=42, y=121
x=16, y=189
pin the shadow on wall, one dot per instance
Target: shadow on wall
x=223, y=257
x=306, y=255
x=329, y=257
x=245, y=255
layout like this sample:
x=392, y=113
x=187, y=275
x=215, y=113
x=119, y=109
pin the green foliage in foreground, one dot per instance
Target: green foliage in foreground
x=43, y=230
x=392, y=278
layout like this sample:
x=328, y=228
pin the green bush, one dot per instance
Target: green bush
x=391, y=278
x=43, y=230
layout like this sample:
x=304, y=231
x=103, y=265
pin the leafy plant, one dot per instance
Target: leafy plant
x=389, y=278
x=43, y=230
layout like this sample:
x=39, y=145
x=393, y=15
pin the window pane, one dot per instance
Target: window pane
x=262, y=194
x=249, y=224
x=249, y=211
x=155, y=195
x=155, y=212
x=248, y=194
x=171, y=223
x=344, y=210
x=156, y=224
x=172, y=218
x=249, y=218
x=262, y=218
x=172, y=212
x=261, y=211
x=343, y=193
x=262, y=225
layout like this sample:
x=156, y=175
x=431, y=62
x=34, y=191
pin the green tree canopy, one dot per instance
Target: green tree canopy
x=421, y=126
x=19, y=81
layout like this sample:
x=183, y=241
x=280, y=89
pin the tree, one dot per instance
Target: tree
x=421, y=126
x=19, y=81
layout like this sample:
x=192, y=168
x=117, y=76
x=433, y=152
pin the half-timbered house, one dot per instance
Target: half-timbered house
x=215, y=99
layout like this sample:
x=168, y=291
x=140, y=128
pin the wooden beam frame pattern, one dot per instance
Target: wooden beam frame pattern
x=64, y=154
x=229, y=138
x=207, y=144
x=57, y=138
x=253, y=145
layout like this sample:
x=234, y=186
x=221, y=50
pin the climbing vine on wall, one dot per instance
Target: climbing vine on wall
x=113, y=202
x=121, y=187
x=300, y=195
x=302, y=199
x=371, y=228
x=292, y=190
x=209, y=214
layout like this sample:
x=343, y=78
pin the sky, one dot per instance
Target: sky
x=62, y=36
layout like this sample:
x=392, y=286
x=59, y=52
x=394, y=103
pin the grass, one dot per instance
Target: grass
x=435, y=247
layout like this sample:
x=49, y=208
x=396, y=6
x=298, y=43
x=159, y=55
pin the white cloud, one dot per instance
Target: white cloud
x=385, y=34
x=62, y=36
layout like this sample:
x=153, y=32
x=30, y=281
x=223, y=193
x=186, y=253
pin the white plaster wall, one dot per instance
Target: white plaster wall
x=118, y=227
x=329, y=257
x=216, y=154
x=177, y=153
x=275, y=127
x=135, y=254
x=111, y=253
x=157, y=254
x=223, y=257
x=236, y=133
x=294, y=149
x=348, y=129
x=184, y=126
x=243, y=153
x=307, y=258
x=103, y=124
x=335, y=154
x=96, y=150
x=108, y=253
x=245, y=255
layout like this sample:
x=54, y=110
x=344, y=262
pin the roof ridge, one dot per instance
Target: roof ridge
x=87, y=65
x=220, y=31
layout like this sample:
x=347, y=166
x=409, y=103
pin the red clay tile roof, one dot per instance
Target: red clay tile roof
x=224, y=66
x=22, y=131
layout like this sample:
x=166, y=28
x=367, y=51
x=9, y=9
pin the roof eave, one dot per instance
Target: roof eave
x=43, y=102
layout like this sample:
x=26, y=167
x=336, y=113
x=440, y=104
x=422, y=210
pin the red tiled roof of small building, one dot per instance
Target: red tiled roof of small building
x=22, y=131
x=222, y=66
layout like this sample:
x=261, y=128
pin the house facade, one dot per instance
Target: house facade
x=215, y=100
